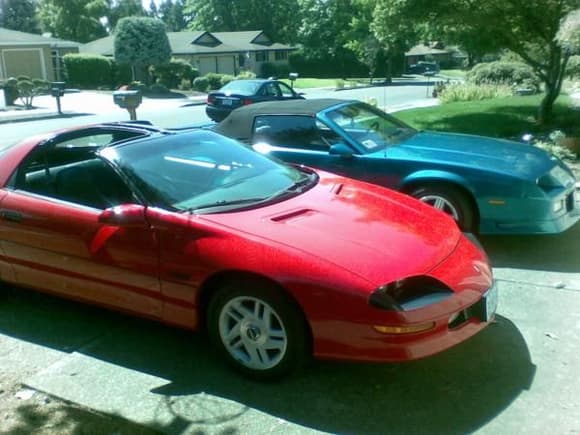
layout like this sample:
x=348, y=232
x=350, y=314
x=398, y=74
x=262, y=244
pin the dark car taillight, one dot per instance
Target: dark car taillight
x=210, y=99
x=246, y=101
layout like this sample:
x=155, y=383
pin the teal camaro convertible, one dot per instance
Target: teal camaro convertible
x=490, y=186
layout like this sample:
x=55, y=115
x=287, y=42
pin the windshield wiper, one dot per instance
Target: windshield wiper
x=298, y=185
x=226, y=203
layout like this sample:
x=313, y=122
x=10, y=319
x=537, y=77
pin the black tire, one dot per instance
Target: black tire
x=451, y=201
x=257, y=350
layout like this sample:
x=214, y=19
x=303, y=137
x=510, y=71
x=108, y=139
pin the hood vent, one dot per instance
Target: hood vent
x=293, y=215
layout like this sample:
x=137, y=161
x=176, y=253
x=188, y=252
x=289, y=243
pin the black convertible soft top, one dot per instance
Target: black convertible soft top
x=239, y=123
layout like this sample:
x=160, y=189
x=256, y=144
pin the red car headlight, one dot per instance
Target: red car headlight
x=409, y=294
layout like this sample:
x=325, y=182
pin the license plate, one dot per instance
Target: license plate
x=227, y=102
x=490, y=299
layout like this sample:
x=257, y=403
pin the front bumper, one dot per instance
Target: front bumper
x=535, y=217
x=455, y=319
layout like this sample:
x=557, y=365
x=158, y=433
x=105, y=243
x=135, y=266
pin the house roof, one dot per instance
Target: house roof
x=424, y=50
x=200, y=43
x=13, y=37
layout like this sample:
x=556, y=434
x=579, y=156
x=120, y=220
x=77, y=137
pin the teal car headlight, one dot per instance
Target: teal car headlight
x=409, y=294
x=557, y=177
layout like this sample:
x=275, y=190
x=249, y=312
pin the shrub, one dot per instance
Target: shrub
x=513, y=74
x=553, y=145
x=121, y=74
x=28, y=89
x=214, y=80
x=201, y=84
x=246, y=75
x=88, y=71
x=472, y=92
x=226, y=78
x=185, y=85
x=268, y=69
x=138, y=86
x=173, y=73
x=339, y=84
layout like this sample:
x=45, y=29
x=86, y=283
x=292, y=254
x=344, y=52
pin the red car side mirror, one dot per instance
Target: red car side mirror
x=125, y=215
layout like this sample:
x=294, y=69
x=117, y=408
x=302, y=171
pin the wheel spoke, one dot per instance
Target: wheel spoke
x=275, y=343
x=439, y=203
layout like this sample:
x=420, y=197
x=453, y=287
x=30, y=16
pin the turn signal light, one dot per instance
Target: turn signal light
x=404, y=329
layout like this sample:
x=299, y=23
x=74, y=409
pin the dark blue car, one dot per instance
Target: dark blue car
x=490, y=186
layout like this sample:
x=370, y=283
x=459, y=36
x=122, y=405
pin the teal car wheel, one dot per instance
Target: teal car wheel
x=449, y=200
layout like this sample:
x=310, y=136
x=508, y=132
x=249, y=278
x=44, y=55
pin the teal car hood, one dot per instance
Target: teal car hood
x=477, y=152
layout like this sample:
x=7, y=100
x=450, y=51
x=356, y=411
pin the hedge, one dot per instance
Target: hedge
x=88, y=71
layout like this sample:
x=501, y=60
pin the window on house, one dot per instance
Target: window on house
x=261, y=56
x=281, y=55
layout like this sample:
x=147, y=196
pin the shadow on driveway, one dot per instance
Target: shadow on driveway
x=457, y=391
x=555, y=253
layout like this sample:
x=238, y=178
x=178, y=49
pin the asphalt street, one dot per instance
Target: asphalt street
x=519, y=376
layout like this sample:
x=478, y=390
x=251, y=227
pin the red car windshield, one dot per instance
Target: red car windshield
x=202, y=170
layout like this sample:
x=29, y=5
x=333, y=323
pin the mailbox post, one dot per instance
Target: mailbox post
x=57, y=91
x=129, y=100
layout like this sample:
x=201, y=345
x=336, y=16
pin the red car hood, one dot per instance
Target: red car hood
x=376, y=233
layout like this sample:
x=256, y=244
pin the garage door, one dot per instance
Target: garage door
x=206, y=65
x=226, y=65
x=19, y=62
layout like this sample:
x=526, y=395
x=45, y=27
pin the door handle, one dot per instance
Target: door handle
x=11, y=215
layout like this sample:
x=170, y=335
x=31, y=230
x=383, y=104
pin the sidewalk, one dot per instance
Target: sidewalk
x=88, y=103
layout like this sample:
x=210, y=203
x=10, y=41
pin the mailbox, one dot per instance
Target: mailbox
x=292, y=77
x=57, y=89
x=127, y=99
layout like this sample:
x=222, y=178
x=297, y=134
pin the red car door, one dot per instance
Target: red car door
x=61, y=247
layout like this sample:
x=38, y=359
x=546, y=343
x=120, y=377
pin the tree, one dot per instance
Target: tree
x=124, y=8
x=172, y=14
x=153, y=11
x=75, y=20
x=525, y=27
x=19, y=15
x=324, y=27
x=141, y=42
x=278, y=19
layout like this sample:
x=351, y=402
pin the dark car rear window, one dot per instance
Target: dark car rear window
x=241, y=87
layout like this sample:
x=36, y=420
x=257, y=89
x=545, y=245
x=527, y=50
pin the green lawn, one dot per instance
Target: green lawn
x=501, y=117
x=304, y=83
x=453, y=73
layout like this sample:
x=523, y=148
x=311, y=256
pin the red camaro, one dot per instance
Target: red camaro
x=278, y=262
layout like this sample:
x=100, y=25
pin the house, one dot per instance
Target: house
x=32, y=55
x=435, y=52
x=217, y=52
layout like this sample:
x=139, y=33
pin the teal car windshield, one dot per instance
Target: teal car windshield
x=202, y=170
x=372, y=129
